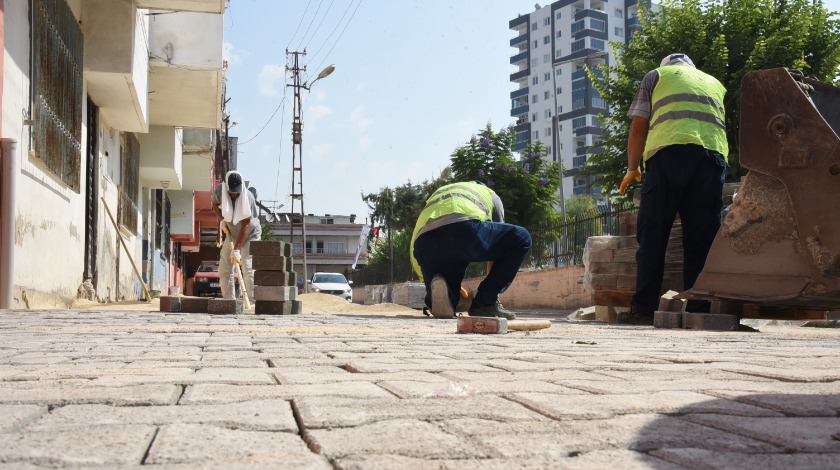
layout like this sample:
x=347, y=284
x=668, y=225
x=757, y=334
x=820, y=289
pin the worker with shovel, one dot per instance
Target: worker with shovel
x=463, y=223
x=236, y=209
x=679, y=129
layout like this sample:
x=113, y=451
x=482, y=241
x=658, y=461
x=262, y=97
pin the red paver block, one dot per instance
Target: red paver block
x=710, y=321
x=170, y=303
x=270, y=248
x=275, y=293
x=275, y=278
x=194, y=304
x=224, y=306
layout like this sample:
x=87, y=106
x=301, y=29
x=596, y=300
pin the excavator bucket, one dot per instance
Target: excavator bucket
x=780, y=242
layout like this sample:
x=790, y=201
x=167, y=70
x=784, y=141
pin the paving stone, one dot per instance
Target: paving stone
x=328, y=412
x=638, y=432
x=329, y=374
x=270, y=248
x=275, y=293
x=85, y=446
x=367, y=366
x=606, y=406
x=133, y=395
x=275, y=278
x=222, y=375
x=170, y=303
x=216, y=394
x=194, y=304
x=800, y=374
x=224, y=306
x=16, y=416
x=415, y=389
x=709, y=321
x=271, y=263
x=666, y=319
x=398, y=437
x=800, y=404
x=711, y=459
x=793, y=434
x=257, y=415
x=268, y=307
x=196, y=445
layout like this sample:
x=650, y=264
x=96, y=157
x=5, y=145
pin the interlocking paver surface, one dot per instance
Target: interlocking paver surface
x=109, y=389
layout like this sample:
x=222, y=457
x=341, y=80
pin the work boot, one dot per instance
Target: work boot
x=441, y=305
x=478, y=309
x=634, y=318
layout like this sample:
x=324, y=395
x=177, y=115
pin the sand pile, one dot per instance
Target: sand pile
x=326, y=304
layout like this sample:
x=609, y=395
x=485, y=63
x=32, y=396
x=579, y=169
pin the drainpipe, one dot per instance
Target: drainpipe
x=8, y=170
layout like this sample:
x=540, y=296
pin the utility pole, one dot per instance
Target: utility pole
x=297, y=159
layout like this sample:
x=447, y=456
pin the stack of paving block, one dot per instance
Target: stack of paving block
x=410, y=294
x=275, y=281
x=610, y=269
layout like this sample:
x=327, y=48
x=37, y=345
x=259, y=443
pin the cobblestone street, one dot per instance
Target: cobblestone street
x=117, y=389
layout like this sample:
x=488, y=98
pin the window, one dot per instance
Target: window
x=534, y=98
x=536, y=44
x=559, y=34
x=598, y=102
x=578, y=103
x=558, y=72
x=577, y=123
x=534, y=63
x=579, y=161
x=335, y=248
x=577, y=26
x=547, y=94
x=535, y=80
x=296, y=248
x=547, y=76
x=558, y=53
x=533, y=26
x=547, y=113
x=598, y=25
x=547, y=21
x=327, y=221
x=56, y=93
x=619, y=31
x=597, y=44
x=578, y=45
x=536, y=135
x=619, y=13
x=557, y=16
x=547, y=40
x=534, y=117
x=548, y=132
x=546, y=58
x=129, y=182
x=595, y=122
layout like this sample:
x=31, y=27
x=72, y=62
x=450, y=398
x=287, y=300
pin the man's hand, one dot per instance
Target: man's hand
x=236, y=257
x=630, y=175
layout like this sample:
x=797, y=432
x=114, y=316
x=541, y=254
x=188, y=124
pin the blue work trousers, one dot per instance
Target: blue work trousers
x=448, y=251
x=685, y=180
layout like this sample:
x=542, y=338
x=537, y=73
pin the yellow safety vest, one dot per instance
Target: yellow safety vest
x=687, y=108
x=469, y=199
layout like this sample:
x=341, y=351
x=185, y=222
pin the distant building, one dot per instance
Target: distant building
x=553, y=45
x=331, y=242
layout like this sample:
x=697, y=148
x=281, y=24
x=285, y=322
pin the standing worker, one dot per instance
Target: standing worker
x=238, y=210
x=464, y=223
x=679, y=128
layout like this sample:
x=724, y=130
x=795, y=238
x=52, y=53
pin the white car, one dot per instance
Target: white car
x=331, y=283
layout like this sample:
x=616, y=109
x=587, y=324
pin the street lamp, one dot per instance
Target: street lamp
x=555, y=128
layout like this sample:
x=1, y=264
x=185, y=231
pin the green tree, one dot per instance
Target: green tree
x=725, y=38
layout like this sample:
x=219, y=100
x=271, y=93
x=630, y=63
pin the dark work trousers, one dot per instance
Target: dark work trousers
x=685, y=180
x=448, y=251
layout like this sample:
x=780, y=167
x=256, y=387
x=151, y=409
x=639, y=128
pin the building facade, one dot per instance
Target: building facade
x=554, y=102
x=110, y=118
x=331, y=243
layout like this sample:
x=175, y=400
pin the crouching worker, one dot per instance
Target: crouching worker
x=464, y=223
x=237, y=208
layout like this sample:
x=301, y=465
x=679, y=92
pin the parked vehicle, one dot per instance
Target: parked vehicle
x=331, y=283
x=206, y=280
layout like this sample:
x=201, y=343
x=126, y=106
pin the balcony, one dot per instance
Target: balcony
x=160, y=158
x=185, y=75
x=519, y=111
x=521, y=39
x=520, y=74
x=517, y=93
x=199, y=6
x=199, y=150
x=116, y=65
x=183, y=226
x=519, y=57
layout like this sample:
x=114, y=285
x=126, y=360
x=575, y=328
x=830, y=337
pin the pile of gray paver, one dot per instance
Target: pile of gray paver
x=275, y=287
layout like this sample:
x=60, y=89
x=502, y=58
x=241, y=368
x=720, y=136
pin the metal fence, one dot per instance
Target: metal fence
x=553, y=246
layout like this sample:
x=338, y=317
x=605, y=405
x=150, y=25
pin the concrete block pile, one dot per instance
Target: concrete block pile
x=275, y=281
x=410, y=294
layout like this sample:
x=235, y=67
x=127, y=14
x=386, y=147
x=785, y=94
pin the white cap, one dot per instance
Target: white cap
x=677, y=58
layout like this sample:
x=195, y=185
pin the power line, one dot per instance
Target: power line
x=321, y=47
x=282, y=103
x=314, y=33
x=339, y=36
x=280, y=150
x=299, y=23
x=310, y=23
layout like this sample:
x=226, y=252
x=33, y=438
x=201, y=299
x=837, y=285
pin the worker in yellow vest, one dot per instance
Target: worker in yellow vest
x=464, y=223
x=679, y=129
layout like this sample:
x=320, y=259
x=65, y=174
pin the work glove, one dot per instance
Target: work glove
x=236, y=257
x=630, y=175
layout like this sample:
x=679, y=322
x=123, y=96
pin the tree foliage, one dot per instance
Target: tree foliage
x=725, y=38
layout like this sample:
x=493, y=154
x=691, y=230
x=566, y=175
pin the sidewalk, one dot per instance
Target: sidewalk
x=132, y=389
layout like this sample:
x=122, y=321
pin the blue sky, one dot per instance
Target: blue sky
x=413, y=80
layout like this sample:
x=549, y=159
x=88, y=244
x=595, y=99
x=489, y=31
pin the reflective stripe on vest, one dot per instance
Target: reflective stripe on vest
x=687, y=108
x=475, y=198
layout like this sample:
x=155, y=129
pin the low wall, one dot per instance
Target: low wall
x=558, y=288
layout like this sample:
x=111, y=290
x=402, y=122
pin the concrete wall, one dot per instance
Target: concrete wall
x=187, y=39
